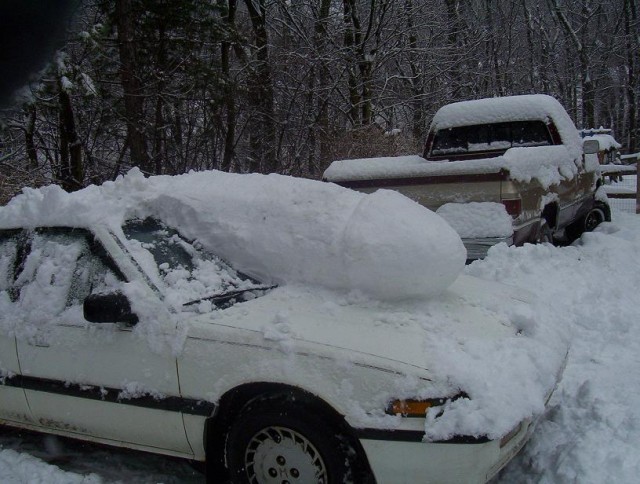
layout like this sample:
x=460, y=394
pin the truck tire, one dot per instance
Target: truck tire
x=588, y=222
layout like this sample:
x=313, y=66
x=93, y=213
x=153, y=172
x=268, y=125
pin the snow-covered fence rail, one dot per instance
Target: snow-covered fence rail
x=621, y=186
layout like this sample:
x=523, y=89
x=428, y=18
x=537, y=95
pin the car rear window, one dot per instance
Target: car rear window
x=490, y=137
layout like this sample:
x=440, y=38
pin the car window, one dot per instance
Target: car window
x=187, y=270
x=58, y=273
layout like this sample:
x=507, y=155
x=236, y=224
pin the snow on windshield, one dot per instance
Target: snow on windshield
x=186, y=271
x=275, y=228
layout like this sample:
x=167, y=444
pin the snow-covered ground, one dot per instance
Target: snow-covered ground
x=590, y=434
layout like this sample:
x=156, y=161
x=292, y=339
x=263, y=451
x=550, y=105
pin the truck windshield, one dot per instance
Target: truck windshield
x=490, y=138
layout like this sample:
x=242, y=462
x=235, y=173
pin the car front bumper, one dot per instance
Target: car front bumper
x=396, y=460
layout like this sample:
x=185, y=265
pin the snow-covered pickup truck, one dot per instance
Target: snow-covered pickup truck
x=510, y=169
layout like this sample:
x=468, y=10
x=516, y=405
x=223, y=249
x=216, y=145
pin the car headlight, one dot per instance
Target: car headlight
x=417, y=408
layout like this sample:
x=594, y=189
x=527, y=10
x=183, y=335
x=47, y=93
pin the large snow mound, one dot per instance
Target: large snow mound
x=277, y=228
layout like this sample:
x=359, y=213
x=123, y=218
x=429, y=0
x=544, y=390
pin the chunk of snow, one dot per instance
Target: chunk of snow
x=477, y=219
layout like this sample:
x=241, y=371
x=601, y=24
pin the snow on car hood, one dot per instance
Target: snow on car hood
x=479, y=337
x=276, y=228
x=549, y=165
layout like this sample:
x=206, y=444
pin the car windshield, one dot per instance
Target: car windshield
x=188, y=272
x=490, y=137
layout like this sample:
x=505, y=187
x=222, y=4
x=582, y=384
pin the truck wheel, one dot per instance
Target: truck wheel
x=594, y=218
x=278, y=440
x=588, y=222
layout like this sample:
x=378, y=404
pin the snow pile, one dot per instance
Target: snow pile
x=477, y=219
x=21, y=468
x=549, y=165
x=276, y=228
x=592, y=430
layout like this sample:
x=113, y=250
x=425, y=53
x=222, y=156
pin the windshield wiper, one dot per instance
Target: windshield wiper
x=225, y=297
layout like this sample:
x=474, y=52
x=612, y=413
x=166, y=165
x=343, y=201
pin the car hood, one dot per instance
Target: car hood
x=399, y=334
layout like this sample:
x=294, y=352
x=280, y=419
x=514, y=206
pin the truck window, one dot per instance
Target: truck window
x=493, y=138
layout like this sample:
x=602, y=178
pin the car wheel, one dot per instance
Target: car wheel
x=280, y=441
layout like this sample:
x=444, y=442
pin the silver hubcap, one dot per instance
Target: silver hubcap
x=281, y=455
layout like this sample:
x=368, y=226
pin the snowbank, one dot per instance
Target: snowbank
x=21, y=468
x=276, y=228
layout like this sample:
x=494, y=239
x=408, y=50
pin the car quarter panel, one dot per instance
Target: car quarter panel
x=353, y=384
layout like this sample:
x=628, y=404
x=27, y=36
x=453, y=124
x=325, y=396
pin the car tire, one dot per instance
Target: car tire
x=278, y=439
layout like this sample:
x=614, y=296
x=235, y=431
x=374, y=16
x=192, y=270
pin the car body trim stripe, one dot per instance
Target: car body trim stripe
x=414, y=436
x=112, y=395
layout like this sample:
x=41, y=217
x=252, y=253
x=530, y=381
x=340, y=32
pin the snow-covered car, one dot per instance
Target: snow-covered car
x=275, y=328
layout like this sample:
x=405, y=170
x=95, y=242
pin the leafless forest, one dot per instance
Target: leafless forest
x=288, y=85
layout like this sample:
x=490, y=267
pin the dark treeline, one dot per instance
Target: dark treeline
x=288, y=85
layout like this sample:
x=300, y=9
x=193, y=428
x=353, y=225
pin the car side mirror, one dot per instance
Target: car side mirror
x=591, y=146
x=108, y=308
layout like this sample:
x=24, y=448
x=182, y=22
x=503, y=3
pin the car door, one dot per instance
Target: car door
x=100, y=380
x=13, y=404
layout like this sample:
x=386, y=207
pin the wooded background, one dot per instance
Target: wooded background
x=287, y=86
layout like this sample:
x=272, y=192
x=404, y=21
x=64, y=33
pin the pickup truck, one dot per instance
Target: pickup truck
x=522, y=154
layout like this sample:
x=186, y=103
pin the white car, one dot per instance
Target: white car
x=139, y=336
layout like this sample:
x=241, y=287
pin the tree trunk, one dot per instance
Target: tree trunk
x=29, y=134
x=263, y=144
x=229, y=91
x=71, y=169
x=131, y=85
